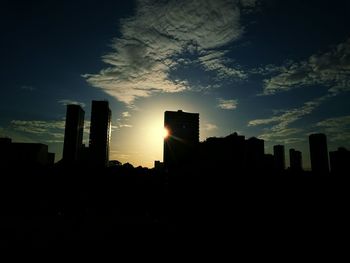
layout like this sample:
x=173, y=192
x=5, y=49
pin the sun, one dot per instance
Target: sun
x=165, y=133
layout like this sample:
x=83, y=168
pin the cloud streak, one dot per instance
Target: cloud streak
x=227, y=104
x=330, y=69
x=280, y=130
x=37, y=127
x=27, y=88
x=50, y=130
x=337, y=129
x=210, y=127
x=68, y=102
x=159, y=35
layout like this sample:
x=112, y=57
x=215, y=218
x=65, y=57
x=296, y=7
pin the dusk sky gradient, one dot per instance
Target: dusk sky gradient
x=277, y=70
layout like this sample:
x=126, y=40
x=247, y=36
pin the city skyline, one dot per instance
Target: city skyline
x=275, y=70
x=183, y=153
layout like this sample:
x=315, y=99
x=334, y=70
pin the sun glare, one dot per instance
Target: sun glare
x=165, y=133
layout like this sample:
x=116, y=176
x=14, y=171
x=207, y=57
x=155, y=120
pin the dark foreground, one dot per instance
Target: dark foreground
x=53, y=206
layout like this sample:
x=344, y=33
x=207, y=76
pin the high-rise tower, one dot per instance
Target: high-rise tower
x=73, y=134
x=318, y=153
x=100, y=133
x=183, y=139
x=279, y=158
x=295, y=160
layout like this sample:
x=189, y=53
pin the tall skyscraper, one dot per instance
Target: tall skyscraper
x=181, y=144
x=318, y=153
x=295, y=160
x=279, y=158
x=100, y=133
x=73, y=134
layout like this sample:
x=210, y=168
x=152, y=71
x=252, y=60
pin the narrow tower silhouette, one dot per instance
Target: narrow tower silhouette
x=279, y=158
x=100, y=131
x=73, y=133
x=319, y=153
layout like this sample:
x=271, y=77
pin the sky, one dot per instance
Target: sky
x=276, y=70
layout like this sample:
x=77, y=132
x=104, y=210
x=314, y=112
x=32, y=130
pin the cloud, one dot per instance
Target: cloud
x=69, y=102
x=47, y=130
x=227, y=104
x=281, y=121
x=249, y=3
x=27, y=88
x=159, y=35
x=125, y=126
x=37, y=127
x=126, y=114
x=216, y=61
x=337, y=129
x=330, y=69
x=210, y=127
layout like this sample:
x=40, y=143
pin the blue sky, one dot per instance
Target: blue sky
x=277, y=70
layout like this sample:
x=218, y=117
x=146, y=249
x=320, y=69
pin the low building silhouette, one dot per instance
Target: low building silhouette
x=224, y=154
x=23, y=155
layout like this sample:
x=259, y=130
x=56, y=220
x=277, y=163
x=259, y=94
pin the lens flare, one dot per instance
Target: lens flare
x=165, y=133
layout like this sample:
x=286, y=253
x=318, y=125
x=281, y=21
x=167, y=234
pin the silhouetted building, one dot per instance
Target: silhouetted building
x=340, y=161
x=73, y=134
x=85, y=153
x=158, y=165
x=183, y=139
x=50, y=159
x=279, y=158
x=295, y=160
x=269, y=163
x=5, y=150
x=100, y=133
x=319, y=153
x=114, y=163
x=223, y=155
x=5, y=141
x=255, y=154
x=23, y=155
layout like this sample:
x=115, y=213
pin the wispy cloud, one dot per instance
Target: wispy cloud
x=159, y=35
x=47, y=130
x=227, y=104
x=51, y=131
x=330, y=69
x=126, y=114
x=210, y=127
x=280, y=123
x=217, y=61
x=337, y=129
x=68, y=102
x=37, y=127
x=27, y=88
